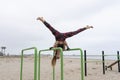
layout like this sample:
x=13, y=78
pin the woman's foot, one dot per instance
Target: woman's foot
x=88, y=27
x=41, y=19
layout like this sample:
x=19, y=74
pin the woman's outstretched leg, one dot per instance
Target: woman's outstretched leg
x=54, y=31
x=72, y=33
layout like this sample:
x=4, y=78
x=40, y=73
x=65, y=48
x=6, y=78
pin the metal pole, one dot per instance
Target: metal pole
x=82, y=65
x=61, y=62
x=61, y=55
x=118, y=57
x=103, y=61
x=35, y=62
x=39, y=60
x=53, y=72
x=85, y=62
x=82, y=62
x=62, y=69
x=21, y=67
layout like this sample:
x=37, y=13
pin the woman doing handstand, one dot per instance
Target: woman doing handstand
x=60, y=38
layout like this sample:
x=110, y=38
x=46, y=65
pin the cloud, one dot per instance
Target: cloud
x=19, y=28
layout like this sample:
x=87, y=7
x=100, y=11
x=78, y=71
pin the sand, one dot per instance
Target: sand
x=10, y=69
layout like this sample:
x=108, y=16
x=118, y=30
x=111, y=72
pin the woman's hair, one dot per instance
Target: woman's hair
x=57, y=52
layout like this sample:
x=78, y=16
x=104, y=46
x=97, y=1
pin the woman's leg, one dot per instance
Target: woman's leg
x=54, y=31
x=70, y=34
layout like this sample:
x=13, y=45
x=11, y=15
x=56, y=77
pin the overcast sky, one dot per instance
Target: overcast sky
x=19, y=28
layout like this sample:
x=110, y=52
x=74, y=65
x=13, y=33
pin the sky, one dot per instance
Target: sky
x=19, y=28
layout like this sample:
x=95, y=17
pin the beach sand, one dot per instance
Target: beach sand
x=10, y=69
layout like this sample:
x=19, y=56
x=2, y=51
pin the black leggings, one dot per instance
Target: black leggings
x=62, y=36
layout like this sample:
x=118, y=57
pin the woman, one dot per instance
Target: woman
x=61, y=37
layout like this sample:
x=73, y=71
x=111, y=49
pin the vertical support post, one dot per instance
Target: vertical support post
x=61, y=62
x=82, y=64
x=35, y=62
x=81, y=60
x=39, y=60
x=85, y=62
x=118, y=57
x=21, y=67
x=103, y=62
x=53, y=72
x=62, y=69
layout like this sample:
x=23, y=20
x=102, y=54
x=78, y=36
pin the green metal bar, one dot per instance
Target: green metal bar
x=35, y=62
x=39, y=60
x=82, y=61
x=62, y=68
x=82, y=65
x=21, y=67
x=53, y=73
x=61, y=55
